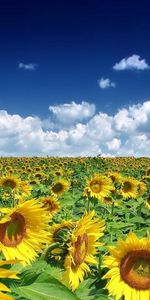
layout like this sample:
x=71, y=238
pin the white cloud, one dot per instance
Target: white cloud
x=29, y=67
x=133, y=62
x=135, y=118
x=88, y=133
x=70, y=113
x=114, y=144
x=105, y=83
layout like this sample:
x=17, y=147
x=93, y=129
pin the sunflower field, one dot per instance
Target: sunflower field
x=75, y=228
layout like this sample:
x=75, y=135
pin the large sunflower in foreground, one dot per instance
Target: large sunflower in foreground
x=5, y=273
x=129, y=266
x=60, y=186
x=23, y=231
x=82, y=248
x=129, y=188
x=99, y=186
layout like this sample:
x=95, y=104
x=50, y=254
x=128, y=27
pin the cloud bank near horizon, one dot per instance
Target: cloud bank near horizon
x=76, y=129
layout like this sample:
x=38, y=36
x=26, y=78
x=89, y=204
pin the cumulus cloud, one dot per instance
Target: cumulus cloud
x=133, y=62
x=70, y=113
x=114, y=144
x=28, y=67
x=105, y=83
x=125, y=133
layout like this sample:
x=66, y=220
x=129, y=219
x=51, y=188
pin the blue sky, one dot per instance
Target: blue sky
x=54, y=53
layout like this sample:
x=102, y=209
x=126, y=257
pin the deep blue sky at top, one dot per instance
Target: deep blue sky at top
x=74, y=43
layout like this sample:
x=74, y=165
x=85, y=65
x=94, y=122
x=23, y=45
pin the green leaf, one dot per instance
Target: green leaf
x=45, y=287
x=138, y=220
x=120, y=225
x=45, y=291
x=83, y=291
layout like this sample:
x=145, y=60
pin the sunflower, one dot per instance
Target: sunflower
x=129, y=266
x=141, y=188
x=58, y=172
x=10, y=181
x=26, y=188
x=5, y=273
x=60, y=186
x=33, y=181
x=99, y=186
x=60, y=233
x=129, y=188
x=23, y=231
x=39, y=175
x=82, y=248
x=56, y=229
x=51, y=204
x=115, y=176
x=109, y=201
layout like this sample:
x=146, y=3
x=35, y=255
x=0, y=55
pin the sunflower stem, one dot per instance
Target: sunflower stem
x=13, y=199
x=112, y=208
x=88, y=205
x=49, y=249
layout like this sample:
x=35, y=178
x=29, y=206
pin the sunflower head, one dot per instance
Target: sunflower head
x=60, y=186
x=115, y=176
x=129, y=188
x=82, y=248
x=51, y=204
x=10, y=182
x=99, y=186
x=109, y=201
x=23, y=231
x=58, y=173
x=141, y=188
x=59, y=230
x=129, y=266
x=59, y=236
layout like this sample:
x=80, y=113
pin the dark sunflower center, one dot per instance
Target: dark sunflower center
x=38, y=175
x=37, y=169
x=127, y=187
x=135, y=269
x=96, y=186
x=58, y=187
x=33, y=182
x=108, y=200
x=10, y=183
x=80, y=249
x=58, y=173
x=13, y=231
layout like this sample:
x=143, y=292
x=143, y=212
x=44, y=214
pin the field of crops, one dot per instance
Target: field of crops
x=75, y=228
